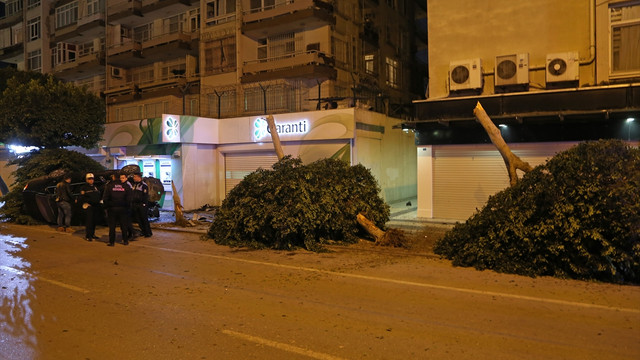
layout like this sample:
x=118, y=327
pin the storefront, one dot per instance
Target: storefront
x=458, y=166
x=205, y=158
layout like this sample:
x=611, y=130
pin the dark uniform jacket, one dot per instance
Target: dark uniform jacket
x=117, y=194
x=140, y=193
x=89, y=194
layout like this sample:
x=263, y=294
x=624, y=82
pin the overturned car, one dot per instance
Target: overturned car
x=39, y=193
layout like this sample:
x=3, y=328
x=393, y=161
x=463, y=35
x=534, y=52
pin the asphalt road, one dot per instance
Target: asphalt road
x=174, y=296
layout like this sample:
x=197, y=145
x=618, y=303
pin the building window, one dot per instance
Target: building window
x=67, y=15
x=392, y=72
x=279, y=46
x=155, y=110
x=129, y=113
x=94, y=7
x=35, y=60
x=141, y=75
x=226, y=100
x=625, y=40
x=220, y=55
x=33, y=28
x=370, y=64
x=220, y=8
x=65, y=53
x=14, y=7
x=33, y=3
x=262, y=5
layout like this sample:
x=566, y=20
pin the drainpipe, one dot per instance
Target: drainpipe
x=592, y=41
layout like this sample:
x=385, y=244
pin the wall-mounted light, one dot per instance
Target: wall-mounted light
x=630, y=120
x=504, y=126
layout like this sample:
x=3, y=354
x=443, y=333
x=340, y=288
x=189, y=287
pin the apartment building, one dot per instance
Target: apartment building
x=548, y=80
x=199, y=62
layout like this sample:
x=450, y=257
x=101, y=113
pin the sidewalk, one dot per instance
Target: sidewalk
x=404, y=216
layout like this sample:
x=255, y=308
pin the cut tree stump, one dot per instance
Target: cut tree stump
x=391, y=237
x=177, y=206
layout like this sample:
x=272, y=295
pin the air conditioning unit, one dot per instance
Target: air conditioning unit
x=465, y=75
x=116, y=73
x=562, y=67
x=512, y=70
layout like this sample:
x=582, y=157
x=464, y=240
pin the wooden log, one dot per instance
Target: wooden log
x=370, y=227
x=511, y=160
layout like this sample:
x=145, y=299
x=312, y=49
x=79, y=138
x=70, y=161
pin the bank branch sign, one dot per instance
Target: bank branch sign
x=261, y=128
x=170, y=128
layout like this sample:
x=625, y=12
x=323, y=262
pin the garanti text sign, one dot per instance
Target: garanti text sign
x=261, y=128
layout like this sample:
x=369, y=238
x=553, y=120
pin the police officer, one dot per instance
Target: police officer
x=139, y=203
x=90, y=200
x=117, y=198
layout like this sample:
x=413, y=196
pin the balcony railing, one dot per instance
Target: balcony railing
x=118, y=6
x=283, y=7
x=125, y=45
x=311, y=57
x=83, y=57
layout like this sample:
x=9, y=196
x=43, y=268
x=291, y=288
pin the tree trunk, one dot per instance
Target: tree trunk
x=370, y=227
x=275, y=138
x=177, y=206
x=511, y=160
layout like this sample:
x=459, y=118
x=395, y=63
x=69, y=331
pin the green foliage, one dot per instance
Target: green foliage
x=37, y=164
x=577, y=216
x=42, y=111
x=297, y=205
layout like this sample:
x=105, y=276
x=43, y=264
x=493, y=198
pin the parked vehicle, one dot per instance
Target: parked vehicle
x=39, y=198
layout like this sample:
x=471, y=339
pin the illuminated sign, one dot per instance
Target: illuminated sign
x=170, y=128
x=261, y=128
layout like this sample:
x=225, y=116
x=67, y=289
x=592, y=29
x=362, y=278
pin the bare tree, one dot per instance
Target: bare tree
x=511, y=160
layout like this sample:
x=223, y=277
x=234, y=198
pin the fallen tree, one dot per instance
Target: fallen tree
x=576, y=216
x=511, y=160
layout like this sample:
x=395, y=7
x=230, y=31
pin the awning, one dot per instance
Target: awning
x=555, y=115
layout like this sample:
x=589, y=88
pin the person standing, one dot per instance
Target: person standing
x=139, y=203
x=117, y=199
x=90, y=200
x=64, y=199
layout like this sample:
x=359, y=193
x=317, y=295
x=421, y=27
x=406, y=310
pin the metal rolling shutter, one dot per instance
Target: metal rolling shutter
x=464, y=176
x=237, y=166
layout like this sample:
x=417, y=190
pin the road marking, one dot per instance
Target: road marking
x=282, y=346
x=404, y=282
x=54, y=282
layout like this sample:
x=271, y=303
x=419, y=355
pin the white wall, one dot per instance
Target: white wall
x=199, y=175
x=391, y=155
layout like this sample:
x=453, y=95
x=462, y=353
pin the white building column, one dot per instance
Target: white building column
x=425, y=182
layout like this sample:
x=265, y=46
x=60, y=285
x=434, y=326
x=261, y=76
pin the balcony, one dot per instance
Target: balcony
x=86, y=29
x=125, y=54
x=136, y=12
x=85, y=65
x=12, y=54
x=147, y=50
x=307, y=14
x=153, y=88
x=311, y=64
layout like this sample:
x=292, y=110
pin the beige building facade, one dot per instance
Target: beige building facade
x=224, y=64
x=549, y=73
